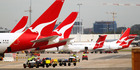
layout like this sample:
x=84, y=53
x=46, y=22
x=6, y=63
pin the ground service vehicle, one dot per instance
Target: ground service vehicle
x=84, y=57
x=48, y=62
x=30, y=64
x=73, y=60
x=63, y=62
x=39, y=62
x=54, y=62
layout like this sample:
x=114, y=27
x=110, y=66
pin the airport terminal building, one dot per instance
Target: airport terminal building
x=4, y=30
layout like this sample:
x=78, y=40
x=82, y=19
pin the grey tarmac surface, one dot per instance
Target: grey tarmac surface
x=109, y=61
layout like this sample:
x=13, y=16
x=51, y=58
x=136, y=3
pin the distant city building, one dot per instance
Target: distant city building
x=135, y=27
x=88, y=30
x=120, y=29
x=4, y=30
x=101, y=27
x=77, y=28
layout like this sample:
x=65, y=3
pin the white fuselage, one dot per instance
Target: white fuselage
x=108, y=46
x=75, y=47
x=6, y=39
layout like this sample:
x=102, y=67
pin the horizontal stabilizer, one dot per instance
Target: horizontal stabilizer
x=45, y=39
x=65, y=40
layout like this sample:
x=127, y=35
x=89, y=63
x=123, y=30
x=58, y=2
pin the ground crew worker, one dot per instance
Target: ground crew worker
x=83, y=54
x=74, y=55
x=33, y=57
x=29, y=59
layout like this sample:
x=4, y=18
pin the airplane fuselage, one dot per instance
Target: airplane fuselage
x=6, y=39
x=18, y=42
x=75, y=47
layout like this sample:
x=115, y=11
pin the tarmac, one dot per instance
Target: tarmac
x=109, y=61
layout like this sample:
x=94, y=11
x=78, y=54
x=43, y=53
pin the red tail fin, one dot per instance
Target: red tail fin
x=20, y=27
x=45, y=23
x=64, y=29
x=122, y=32
x=127, y=41
x=100, y=41
x=125, y=34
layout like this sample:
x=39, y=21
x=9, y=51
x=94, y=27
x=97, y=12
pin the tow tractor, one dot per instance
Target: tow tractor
x=63, y=61
x=84, y=57
x=39, y=63
x=54, y=62
x=30, y=63
x=48, y=62
x=33, y=62
x=73, y=60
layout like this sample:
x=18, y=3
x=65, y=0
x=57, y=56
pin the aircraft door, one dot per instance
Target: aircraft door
x=86, y=48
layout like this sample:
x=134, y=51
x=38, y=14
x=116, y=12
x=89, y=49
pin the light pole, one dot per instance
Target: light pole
x=30, y=11
x=80, y=29
x=113, y=14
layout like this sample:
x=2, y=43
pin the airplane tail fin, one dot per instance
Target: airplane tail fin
x=64, y=29
x=124, y=35
x=100, y=41
x=122, y=32
x=20, y=27
x=45, y=23
x=127, y=41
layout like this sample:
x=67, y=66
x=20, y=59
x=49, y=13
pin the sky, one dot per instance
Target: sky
x=11, y=11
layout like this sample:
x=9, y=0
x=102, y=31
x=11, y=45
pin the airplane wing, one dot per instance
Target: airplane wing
x=60, y=43
x=111, y=40
x=45, y=39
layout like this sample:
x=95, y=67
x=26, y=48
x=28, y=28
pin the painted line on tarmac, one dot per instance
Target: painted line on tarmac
x=108, y=57
x=116, y=56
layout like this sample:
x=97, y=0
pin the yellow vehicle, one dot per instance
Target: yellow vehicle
x=54, y=62
x=48, y=63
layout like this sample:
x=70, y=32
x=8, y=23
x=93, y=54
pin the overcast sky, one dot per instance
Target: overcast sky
x=11, y=11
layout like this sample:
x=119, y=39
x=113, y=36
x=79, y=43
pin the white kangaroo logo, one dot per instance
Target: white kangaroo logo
x=20, y=30
x=56, y=30
x=100, y=43
x=120, y=41
x=39, y=28
x=63, y=29
x=127, y=41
